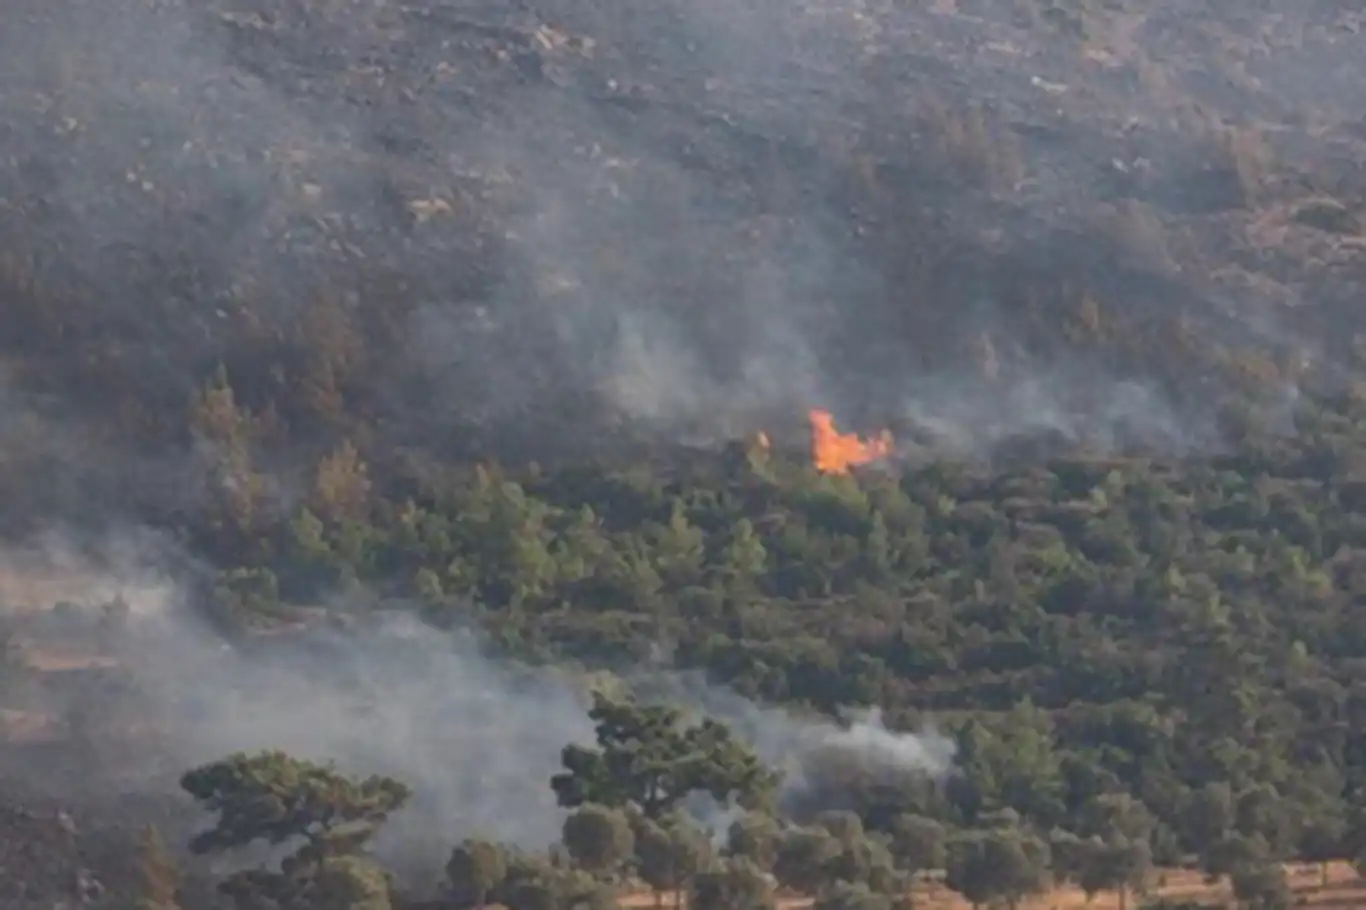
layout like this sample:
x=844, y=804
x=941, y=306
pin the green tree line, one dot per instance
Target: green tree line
x=627, y=829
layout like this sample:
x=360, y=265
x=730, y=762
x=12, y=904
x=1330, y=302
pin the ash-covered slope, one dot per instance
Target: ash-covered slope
x=511, y=227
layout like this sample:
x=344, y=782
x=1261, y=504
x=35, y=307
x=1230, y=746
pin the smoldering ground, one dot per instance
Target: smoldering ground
x=476, y=737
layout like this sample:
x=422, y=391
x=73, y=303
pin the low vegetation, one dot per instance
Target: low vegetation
x=1143, y=663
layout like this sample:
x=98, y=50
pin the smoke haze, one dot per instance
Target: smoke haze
x=523, y=225
x=477, y=738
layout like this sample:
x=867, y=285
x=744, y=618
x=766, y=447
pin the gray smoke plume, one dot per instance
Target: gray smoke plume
x=476, y=737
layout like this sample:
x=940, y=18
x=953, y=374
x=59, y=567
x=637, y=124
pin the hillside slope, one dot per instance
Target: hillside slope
x=524, y=318
x=537, y=231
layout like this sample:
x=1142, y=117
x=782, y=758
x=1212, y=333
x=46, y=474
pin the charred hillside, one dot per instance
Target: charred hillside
x=478, y=229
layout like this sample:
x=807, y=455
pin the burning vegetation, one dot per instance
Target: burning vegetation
x=835, y=453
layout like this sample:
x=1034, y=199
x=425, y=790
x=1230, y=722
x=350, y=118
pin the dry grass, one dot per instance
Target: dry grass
x=1343, y=890
x=18, y=727
x=971, y=143
x=1250, y=158
x=1138, y=231
x=54, y=661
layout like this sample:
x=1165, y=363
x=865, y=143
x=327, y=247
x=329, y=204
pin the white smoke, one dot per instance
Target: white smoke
x=476, y=737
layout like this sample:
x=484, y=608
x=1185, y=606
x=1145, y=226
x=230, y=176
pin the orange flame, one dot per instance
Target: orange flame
x=835, y=453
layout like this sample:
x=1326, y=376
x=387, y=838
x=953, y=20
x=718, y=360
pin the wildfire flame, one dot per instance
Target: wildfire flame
x=835, y=452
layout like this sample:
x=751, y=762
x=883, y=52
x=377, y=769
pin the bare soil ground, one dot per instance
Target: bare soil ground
x=1344, y=889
